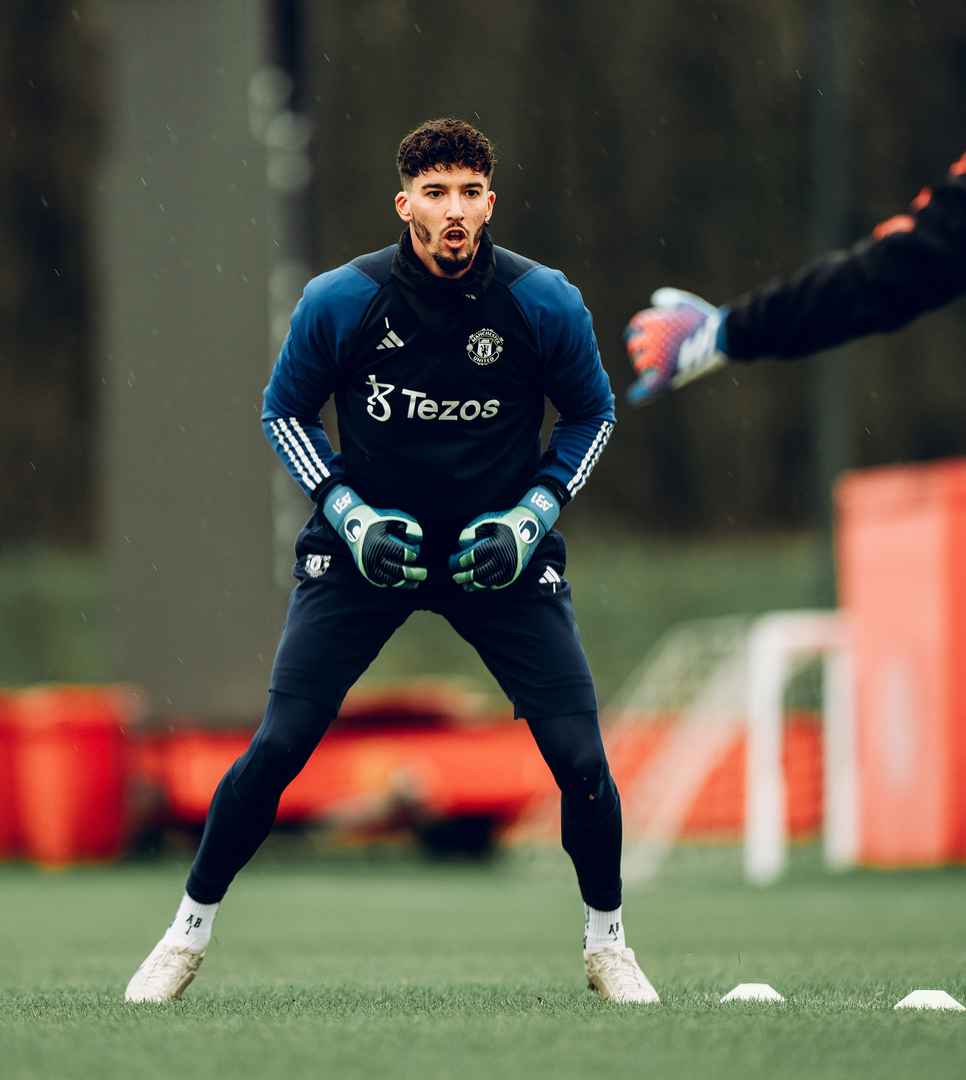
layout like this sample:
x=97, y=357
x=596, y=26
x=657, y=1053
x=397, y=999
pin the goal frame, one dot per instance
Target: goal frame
x=778, y=644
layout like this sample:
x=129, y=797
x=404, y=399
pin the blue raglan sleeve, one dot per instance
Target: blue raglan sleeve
x=304, y=376
x=575, y=380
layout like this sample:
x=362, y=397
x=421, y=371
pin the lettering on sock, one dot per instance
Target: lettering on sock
x=614, y=931
x=193, y=923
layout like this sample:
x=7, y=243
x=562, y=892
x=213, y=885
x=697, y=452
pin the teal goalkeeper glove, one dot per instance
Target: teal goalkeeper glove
x=384, y=543
x=495, y=548
x=679, y=339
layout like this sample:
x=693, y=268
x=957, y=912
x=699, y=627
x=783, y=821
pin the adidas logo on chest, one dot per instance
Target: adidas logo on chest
x=391, y=341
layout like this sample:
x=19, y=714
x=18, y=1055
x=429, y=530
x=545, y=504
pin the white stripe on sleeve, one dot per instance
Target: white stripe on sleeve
x=313, y=453
x=296, y=446
x=310, y=479
x=590, y=459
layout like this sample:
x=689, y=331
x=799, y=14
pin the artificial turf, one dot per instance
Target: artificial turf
x=402, y=969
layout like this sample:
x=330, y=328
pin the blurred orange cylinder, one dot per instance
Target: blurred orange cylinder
x=902, y=574
x=9, y=818
x=71, y=762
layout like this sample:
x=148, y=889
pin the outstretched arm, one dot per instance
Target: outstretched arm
x=912, y=263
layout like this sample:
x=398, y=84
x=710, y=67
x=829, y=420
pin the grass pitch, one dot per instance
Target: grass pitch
x=403, y=970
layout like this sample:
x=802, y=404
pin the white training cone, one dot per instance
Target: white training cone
x=753, y=992
x=930, y=999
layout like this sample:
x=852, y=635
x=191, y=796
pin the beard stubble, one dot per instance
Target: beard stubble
x=450, y=265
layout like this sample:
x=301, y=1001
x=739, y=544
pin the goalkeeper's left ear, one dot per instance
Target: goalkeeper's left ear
x=679, y=339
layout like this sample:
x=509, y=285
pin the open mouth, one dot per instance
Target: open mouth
x=454, y=237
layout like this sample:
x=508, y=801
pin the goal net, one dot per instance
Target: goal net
x=704, y=748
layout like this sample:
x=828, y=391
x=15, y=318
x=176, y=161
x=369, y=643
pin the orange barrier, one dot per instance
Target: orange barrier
x=72, y=780
x=71, y=763
x=490, y=770
x=9, y=818
x=902, y=573
x=493, y=771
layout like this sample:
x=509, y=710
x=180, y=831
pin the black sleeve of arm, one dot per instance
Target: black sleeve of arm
x=912, y=264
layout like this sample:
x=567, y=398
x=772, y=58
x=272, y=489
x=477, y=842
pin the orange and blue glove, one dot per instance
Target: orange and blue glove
x=678, y=339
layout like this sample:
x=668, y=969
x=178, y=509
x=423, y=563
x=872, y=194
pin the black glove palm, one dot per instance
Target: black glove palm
x=384, y=543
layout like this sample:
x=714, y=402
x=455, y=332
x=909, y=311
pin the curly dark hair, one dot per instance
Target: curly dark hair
x=443, y=144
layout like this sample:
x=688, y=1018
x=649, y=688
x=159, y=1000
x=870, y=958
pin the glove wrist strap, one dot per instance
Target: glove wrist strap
x=542, y=502
x=721, y=336
x=339, y=500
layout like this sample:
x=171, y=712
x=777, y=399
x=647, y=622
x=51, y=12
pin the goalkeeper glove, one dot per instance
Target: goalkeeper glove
x=679, y=339
x=495, y=548
x=384, y=543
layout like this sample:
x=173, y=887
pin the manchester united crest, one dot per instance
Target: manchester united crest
x=484, y=347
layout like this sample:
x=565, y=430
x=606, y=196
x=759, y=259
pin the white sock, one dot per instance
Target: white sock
x=603, y=929
x=191, y=928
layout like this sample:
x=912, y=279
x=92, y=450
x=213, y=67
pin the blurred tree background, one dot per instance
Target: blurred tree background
x=53, y=113
x=640, y=144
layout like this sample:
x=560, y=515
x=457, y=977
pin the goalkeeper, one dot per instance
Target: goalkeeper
x=911, y=264
x=439, y=351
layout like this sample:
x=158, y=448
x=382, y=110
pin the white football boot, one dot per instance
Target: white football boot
x=165, y=974
x=616, y=975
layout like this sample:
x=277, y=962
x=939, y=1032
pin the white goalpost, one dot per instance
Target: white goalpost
x=744, y=676
x=778, y=644
x=703, y=687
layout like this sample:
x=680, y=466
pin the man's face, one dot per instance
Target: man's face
x=446, y=210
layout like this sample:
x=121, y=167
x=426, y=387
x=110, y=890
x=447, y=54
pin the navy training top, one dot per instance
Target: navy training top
x=439, y=388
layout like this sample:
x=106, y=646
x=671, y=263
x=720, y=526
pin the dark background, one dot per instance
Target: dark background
x=703, y=144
